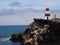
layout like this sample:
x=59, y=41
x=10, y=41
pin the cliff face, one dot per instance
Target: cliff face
x=40, y=32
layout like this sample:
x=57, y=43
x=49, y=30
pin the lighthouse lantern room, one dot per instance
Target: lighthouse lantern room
x=47, y=13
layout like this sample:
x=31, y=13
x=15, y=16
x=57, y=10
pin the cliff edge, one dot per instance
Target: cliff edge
x=39, y=32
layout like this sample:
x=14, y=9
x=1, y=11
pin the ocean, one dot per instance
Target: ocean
x=7, y=31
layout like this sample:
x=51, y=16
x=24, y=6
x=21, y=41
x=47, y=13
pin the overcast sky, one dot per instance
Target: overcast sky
x=35, y=4
x=21, y=12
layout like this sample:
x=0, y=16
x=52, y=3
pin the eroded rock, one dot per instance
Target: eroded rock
x=40, y=32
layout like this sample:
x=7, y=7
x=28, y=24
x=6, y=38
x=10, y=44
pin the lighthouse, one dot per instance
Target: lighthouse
x=47, y=13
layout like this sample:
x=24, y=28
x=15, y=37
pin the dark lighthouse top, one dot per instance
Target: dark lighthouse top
x=47, y=13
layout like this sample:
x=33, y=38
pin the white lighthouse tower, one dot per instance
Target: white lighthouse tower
x=47, y=13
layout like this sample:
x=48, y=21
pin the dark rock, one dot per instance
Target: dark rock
x=40, y=32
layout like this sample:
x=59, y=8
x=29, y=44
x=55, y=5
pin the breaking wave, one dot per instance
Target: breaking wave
x=5, y=39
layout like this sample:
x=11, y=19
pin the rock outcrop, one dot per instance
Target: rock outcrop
x=39, y=32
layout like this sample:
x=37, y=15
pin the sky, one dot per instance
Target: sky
x=22, y=12
x=35, y=4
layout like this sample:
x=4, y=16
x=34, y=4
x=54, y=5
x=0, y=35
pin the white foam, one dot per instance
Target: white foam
x=5, y=39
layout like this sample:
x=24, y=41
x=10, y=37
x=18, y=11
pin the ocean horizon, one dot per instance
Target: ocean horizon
x=7, y=31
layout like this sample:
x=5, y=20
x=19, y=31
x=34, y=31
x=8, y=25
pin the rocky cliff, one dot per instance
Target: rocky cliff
x=39, y=32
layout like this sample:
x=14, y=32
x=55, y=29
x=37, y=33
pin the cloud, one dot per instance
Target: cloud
x=19, y=19
x=16, y=12
x=36, y=4
x=28, y=5
x=15, y=4
x=22, y=17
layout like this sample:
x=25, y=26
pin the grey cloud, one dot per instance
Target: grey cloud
x=15, y=4
x=16, y=12
x=21, y=11
x=31, y=5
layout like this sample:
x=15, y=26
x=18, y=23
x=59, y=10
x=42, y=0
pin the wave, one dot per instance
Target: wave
x=5, y=39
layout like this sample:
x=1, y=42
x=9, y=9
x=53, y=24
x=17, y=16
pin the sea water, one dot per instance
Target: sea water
x=7, y=31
